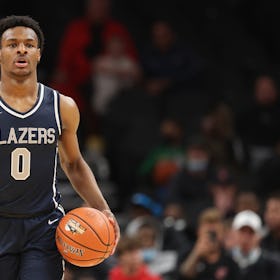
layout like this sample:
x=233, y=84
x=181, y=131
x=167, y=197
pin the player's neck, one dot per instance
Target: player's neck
x=13, y=87
x=20, y=97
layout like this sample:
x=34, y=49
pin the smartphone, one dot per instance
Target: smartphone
x=212, y=235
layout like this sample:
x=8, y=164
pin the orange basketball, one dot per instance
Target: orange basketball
x=85, y=237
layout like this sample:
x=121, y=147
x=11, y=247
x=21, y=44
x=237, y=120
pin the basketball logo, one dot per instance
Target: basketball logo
x=85, y=237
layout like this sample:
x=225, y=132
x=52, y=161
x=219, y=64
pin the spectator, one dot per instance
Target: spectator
x=114, y=71
x=130, y=263
x=229, y=235
x=271, y=242
x=258, y=126
x=84, y=39
x=268, y=175
x=253, y=262
x=208, y=258
x=141, y=205
x=167, y=62
x=217, y=128
x=165, y=159
x=189, y=186
x=223, y=187
x=172, y=223
x=247, y=200
x=169, y=65
x=157, y=252
x=176, y=219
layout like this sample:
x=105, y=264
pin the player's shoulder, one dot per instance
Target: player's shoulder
x=64, y=99
x=67, y=101
x=68, y=108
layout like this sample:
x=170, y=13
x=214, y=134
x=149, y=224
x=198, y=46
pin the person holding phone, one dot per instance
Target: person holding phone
x=208, y=259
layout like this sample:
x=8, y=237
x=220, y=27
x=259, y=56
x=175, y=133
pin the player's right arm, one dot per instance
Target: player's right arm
x=73, y=163
x=71, y=159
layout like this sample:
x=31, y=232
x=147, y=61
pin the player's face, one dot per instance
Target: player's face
x=19, y=53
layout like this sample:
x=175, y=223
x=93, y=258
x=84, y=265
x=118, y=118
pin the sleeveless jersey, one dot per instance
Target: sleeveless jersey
x=28, y=156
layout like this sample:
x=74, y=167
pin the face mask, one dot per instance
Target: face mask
x=148, y=254
x=197, y=165
x=244, y=261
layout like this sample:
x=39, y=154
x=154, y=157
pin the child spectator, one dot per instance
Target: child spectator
x=130, y=263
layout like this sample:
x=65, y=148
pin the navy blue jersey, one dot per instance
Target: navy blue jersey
x=28, y=155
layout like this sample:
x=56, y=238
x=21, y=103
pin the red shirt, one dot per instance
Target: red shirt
x=143, y=274
x=73, y=61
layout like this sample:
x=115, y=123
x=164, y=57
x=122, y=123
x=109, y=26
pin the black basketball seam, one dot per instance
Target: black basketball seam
x=106, y=244
x=84, y=264
x=67, y=257
x=108, y=230
x=78, y=243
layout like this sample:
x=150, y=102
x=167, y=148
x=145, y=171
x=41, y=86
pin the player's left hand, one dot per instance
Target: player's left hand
x=115, y=224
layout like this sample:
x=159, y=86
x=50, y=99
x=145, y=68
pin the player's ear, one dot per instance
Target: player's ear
x=38, y=55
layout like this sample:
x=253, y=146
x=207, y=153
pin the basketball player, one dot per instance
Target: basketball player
x=36, y=123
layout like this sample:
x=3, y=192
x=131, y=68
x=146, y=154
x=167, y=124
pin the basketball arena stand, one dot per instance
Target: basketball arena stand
x=70, y=199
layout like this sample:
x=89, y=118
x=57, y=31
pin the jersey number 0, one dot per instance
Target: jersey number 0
x=20, y=163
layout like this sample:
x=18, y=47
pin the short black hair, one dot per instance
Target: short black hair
x=26, y=21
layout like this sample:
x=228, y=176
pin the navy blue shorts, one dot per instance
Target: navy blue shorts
x=28, y=250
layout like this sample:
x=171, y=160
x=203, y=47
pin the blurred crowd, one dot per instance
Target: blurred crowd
x=180, y=122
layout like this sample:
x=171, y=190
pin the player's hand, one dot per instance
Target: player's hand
x=115, y=224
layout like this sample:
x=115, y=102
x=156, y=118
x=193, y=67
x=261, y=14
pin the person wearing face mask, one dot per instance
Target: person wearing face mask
x=254, y=263
x=167, y=157
x=129, y=262
x=189, y=185
x=197, y=157
x=159, y=258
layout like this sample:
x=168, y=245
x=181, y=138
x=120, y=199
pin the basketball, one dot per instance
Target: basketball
x=85, y=237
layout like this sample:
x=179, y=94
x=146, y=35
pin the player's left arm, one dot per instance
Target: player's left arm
x=74, y=165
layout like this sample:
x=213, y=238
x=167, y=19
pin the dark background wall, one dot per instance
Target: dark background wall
x=235, y=27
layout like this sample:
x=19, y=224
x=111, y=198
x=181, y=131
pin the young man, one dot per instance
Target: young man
x=36, y=123
x=253, y=261
x=208, y=258
x=271, y=241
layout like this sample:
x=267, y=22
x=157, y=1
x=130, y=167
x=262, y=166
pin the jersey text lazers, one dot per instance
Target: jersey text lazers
x=29, y=135
x=29, y=154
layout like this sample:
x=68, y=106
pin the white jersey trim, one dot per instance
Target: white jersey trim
x=29, y=113
x=56, y=111
x=54, y=180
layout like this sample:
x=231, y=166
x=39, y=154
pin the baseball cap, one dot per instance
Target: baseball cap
x=147, y=202
x=247, y=218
